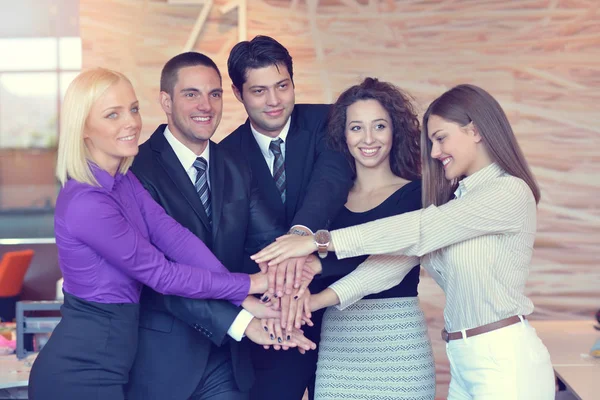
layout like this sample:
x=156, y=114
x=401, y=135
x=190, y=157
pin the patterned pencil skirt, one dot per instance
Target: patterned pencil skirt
x=375, y=349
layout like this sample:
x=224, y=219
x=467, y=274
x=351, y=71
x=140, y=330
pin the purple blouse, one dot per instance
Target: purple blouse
x=114, y=238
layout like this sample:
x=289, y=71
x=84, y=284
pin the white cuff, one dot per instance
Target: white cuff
x=239, y=325
x=302, y=228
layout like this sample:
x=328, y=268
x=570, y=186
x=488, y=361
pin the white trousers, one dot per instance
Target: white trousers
x=510, y=363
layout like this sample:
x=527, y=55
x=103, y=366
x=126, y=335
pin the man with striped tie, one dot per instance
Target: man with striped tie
x=300, y=178
x=184, y=351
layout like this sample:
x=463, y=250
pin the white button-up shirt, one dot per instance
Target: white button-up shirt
x=477, y=247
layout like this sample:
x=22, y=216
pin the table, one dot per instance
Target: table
x=14, y=372
x=569, y=344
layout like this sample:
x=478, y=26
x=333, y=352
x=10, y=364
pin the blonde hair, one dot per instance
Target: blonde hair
x=82, y=93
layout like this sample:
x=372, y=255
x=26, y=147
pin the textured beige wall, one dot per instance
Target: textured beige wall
x=539, y=58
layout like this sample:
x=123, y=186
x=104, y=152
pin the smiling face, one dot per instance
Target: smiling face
x=112, y=129
x=268, y=97
x=369, y=133
x=459, y=149
x=195, y=108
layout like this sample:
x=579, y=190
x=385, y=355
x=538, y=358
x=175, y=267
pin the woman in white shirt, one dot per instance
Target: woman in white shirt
x=475, y=235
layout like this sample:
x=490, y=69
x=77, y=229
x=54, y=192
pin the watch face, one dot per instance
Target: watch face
x=322, y=237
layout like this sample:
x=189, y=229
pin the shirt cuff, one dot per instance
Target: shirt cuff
x=348, y=291
x=347, y=242
x=300, y=230
x=239, y=325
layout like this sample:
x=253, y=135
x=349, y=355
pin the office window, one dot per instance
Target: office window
x=32, y=85
x=40, y=48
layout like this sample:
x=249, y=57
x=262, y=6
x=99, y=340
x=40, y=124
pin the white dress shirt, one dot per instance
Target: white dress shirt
x=264, y=142
x=187, y=157
x=477, y=247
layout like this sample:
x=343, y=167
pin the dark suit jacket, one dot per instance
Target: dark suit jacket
x=317, y=184
x=317, y=178
x=176, y=334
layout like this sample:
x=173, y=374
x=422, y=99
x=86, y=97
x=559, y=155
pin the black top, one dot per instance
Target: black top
x=405, y=199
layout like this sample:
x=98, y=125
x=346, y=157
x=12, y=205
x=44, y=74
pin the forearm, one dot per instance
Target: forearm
x=375, y=275
x=213, y=316
x=324, y=299
x=377, y=237
x=487, y=211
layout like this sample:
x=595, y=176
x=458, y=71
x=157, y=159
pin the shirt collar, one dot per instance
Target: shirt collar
x=483, y=175
x=104, y=179
x=185, y=156
x=264, y=141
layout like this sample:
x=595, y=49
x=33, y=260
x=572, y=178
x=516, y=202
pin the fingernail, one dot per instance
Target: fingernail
x=279, y=340
x=272, y=337
x=288, y=337
x=265, y=299
x=295, y=297
x=266, y=329
x=275, y=295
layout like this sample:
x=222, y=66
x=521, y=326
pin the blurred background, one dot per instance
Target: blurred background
x=539, y=58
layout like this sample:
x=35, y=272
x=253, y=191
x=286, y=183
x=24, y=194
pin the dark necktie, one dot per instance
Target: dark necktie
x=278, y=167
x=202, y=186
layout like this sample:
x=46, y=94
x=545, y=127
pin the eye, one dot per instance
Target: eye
x=440, y=139
x=355, y=128
x=258, y=91
x=380, y=126
x=216, y=95
x=283, y=86
x=112, y=115
x=190, y=95
x=135, y=110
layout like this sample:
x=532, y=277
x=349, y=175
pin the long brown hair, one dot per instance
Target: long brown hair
x=462, y=105
x=404, y=157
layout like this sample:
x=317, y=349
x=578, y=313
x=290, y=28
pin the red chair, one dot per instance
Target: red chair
x=13, y=268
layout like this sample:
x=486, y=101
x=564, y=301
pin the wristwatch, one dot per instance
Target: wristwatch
x=322, y=239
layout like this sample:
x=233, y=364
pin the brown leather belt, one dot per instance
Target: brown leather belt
x=448, y=336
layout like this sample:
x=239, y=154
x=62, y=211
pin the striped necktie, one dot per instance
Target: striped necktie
x=278, y=167
x=202, y=186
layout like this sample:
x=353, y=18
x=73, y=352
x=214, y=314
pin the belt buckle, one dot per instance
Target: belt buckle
x=445, y=335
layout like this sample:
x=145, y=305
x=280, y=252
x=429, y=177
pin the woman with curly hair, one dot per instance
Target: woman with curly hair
x=376, y=346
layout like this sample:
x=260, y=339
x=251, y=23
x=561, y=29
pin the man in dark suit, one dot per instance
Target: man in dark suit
x=184, y=351
x=300, y=178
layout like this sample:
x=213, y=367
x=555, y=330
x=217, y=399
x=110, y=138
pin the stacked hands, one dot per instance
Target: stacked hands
x=287, y=303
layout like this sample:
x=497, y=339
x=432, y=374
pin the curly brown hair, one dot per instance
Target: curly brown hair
x=405, y=156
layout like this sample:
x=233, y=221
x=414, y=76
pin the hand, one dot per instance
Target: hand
x=260, y=309
x=293, y=338
x=258, y=332
x=284, y=277
x=294, y=310
x=284, y=248
x=258, y=283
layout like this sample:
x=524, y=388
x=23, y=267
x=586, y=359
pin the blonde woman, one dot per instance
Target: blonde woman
x=112, y=238
x=475, y=236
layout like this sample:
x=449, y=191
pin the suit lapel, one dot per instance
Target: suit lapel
x=260, y=170
x=217, y=185
x=296, y=149
x=173, y=168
